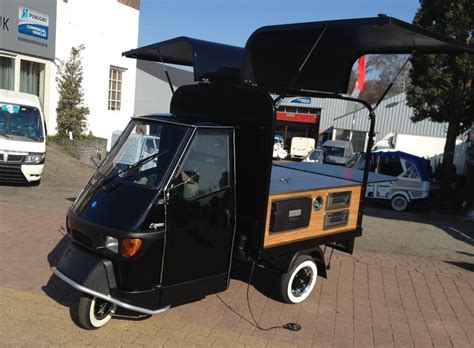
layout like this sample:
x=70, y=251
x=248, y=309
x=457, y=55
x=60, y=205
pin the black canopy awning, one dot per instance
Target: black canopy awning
x=273, y=55
x=211, y=61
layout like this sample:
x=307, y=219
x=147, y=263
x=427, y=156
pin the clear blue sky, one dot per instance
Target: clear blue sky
x=232, y=21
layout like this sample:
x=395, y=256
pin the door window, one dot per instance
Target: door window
x=206, y=168
x=390, y=165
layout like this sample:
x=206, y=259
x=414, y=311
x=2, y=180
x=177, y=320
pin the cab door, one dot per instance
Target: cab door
x=200, y=219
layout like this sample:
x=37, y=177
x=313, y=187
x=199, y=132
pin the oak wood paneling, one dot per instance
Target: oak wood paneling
x=315, y=228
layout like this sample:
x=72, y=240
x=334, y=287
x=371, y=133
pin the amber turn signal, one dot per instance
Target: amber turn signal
x=129, y=247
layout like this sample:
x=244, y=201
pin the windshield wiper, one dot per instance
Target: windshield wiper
x=136, y=164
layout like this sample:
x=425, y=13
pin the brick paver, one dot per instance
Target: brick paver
x=370, y=299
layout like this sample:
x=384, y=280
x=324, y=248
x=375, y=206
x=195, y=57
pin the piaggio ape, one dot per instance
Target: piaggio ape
x=164, y=228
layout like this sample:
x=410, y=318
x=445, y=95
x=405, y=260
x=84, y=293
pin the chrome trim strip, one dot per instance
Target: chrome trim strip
x=106, y=297
x=234, y=191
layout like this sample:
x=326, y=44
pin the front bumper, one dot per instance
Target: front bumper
x=93, y=275
x=32, y=172
x=106, y=297
x=17, y=173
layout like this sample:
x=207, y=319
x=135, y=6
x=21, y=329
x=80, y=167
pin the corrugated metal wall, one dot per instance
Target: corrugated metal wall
x=392, y=115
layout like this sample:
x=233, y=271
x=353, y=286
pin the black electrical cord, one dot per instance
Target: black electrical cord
x=288, y=326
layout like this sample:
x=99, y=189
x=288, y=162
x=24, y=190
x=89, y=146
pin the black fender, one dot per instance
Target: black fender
x=286, y=261
x=88, y=269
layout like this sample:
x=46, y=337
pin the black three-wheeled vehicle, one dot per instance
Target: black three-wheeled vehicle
x=182, y=196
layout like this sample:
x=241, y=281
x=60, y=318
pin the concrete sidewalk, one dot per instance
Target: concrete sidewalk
x=369, y=299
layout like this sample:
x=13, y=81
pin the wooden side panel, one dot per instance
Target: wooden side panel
x=315, y=228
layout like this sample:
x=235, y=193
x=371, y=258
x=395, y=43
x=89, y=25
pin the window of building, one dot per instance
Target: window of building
x=32, y=78
x=115, y=88
x=7, y=69
x=343, y=134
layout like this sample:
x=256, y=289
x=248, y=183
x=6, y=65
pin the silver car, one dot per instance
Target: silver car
x=337, y=151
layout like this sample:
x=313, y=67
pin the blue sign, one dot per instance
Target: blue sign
x=33, y=23
x=300, y=101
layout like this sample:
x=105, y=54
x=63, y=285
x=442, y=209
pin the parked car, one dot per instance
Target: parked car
x=315, y=156
x=413, y=181
x=22, y=138
x=337, y=151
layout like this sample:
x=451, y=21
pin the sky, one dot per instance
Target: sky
x=232, y=21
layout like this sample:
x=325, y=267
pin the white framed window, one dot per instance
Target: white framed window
x=7, y=72
x=32, y=78
x=115, y=88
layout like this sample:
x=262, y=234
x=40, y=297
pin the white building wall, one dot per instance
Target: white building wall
x=106, y=28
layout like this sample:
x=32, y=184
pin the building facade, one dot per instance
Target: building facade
x=35, y=35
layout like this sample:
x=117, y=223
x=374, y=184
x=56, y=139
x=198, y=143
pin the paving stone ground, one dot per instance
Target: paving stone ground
x=370, y=299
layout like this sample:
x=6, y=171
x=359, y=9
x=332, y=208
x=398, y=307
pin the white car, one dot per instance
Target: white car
x=22, y=138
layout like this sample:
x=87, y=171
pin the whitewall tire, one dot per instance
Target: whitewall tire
x=94, y=312
x=298, y=283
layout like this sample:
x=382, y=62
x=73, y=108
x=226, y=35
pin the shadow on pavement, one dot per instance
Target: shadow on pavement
x=468, y=266
x=460, y=230
x=58, y=290
x=267, y=283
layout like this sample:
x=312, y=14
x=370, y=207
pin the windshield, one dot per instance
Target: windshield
x=20, y=122
x=143, y=153
x=334, y=151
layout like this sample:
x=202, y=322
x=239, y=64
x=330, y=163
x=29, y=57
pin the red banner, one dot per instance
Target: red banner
x=360, y=74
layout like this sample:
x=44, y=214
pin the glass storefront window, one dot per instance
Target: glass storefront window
x=32, y=78
x=6, y=73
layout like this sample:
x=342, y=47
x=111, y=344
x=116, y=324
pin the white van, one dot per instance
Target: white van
x=22, y=138
x=300, y=146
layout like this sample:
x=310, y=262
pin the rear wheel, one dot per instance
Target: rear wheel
x=298, y=283
x=399, y=203
x=94, y=312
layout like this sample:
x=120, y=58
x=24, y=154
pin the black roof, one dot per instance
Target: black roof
x=273, y=55
x=212, y=61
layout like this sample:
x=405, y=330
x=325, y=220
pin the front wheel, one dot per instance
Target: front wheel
x=94, y=312
x=299, y=281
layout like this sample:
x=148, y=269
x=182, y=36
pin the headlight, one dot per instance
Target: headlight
x=111, y=243
x=36, y=158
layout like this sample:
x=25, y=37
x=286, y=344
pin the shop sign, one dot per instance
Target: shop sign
x=305, y=101
x=33, y=23
x=28, y=27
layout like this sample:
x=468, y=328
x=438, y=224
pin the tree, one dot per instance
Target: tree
x=71, y=111
x=380, y=71
x=442, y=88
